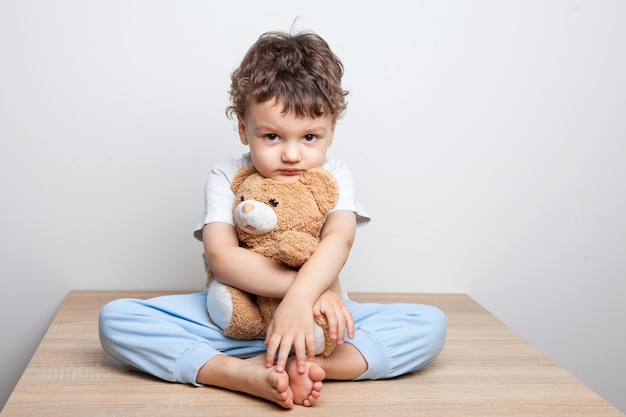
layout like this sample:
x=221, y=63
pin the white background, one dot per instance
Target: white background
x=488, y=139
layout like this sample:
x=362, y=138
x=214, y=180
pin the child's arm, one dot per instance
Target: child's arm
x=243, y=268
x=293, y=323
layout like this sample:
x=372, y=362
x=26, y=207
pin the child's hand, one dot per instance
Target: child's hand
x=292, y=325
x=338, y=316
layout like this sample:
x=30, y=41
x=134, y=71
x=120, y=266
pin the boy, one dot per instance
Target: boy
x=287, y=97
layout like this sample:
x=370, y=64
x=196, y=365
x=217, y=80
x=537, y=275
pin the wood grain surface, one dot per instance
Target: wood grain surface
x=485, y=369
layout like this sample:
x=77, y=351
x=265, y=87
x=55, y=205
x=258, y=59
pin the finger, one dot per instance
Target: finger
x=283, y=354
x=272, y=344
x=317, y=309
x=300, y=350
x=268, y=334
x=310, y=348
x=341, y=326
x=331, y=322
x=349, y=322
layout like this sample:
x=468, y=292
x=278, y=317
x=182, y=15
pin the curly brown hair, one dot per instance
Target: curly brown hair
x=298, y=70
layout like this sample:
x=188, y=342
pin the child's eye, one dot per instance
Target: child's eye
x=273, y=202
x=309, y=138
x=271, y=137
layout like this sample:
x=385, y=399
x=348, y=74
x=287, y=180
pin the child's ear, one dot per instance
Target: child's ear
x=332, y=134
x=241, y=128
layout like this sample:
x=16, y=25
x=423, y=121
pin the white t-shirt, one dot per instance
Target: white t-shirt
x=219, y=198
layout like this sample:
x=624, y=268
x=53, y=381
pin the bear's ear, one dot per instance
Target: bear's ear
x=241, y=175
x=323, y=186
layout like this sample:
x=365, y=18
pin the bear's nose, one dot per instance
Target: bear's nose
x=247, y=208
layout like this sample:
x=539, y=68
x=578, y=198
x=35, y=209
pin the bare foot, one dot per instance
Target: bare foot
x=249, y=376
x=306, y=387
x=278, y=387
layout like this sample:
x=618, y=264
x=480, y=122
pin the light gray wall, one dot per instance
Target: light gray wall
x=488, y=139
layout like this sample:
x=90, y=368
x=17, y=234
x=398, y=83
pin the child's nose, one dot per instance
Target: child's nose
x=291, y=152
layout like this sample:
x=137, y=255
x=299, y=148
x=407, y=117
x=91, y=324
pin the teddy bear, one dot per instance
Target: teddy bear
x=282, y=221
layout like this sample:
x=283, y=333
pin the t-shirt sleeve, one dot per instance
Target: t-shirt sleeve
x=347, y=191
x=218, y=196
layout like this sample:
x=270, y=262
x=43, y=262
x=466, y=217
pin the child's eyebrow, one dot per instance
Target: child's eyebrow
x=265, y=127
x=316, y=130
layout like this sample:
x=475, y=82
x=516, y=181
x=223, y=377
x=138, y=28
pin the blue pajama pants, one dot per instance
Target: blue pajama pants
x=171, y=337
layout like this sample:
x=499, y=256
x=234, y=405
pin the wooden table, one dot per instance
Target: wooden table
x=486, y=369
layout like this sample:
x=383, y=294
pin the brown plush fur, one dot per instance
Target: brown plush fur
x=301, y=208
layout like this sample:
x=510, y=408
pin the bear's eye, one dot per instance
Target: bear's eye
x=243, y=198
x=273, y=202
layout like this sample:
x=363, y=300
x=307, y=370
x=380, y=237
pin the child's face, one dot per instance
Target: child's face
x=282, y=145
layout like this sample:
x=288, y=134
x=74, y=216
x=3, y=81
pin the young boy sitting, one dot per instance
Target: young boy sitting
x=287, y=98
